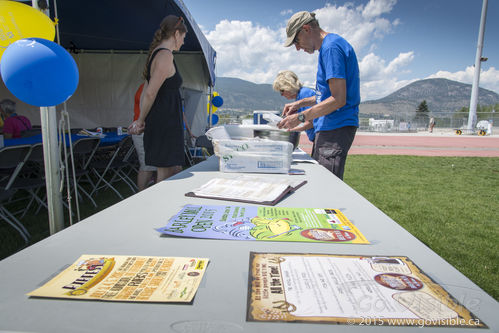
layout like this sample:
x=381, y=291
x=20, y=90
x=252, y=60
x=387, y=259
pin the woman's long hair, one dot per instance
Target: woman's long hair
x=167, y=28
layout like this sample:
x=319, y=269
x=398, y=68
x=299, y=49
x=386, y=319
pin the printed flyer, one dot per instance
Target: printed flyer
x=264, y=224
x=127, y=278
x=351, y=290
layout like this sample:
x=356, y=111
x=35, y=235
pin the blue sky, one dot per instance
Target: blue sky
x=397, y=41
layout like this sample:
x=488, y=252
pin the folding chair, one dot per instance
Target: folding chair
x=27, y=179
x=131, y=163
x=205, y=143
x=83, y=151
x=202, y=149
x=9, y=218
x=111, y=162
x=126, y=162
x=12, y=159
x=34, y=170
x=189, y=159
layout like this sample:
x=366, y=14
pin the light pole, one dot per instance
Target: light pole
x=476, y=78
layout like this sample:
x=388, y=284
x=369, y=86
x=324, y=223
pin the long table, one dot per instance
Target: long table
x=127, y=228
x=108, y=139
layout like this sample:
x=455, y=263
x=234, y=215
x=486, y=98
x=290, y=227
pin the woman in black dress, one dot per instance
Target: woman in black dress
x=160, y=105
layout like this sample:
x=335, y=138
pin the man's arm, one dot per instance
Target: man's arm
x=334, y=102
x=291, y=108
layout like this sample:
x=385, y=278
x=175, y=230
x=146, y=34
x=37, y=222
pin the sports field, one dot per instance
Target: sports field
x=439, y=143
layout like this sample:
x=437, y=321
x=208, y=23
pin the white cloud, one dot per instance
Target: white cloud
x=402, y=60
x=372, y=67
x=378, y=7
x=489, y=78
x=286, y=12
x=255, y=53
x=378, y=79
x=361, y=26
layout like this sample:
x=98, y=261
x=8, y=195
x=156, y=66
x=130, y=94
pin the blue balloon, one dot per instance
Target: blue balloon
x=39, y=72
x=217, y=101
x=214, y=119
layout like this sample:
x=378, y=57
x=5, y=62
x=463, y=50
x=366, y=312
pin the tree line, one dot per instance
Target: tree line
x=423, y=114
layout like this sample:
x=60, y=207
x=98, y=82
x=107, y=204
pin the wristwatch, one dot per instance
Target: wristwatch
x=301, y=117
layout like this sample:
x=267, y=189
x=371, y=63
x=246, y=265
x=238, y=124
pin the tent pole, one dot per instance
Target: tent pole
x=56, y=18
x=48, y=119
x=210, y=124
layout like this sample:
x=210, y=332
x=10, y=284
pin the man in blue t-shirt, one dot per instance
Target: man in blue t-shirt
x=335, y=108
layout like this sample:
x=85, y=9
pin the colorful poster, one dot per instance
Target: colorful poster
x=127, y=278
x=349, y=289
x=264, y=224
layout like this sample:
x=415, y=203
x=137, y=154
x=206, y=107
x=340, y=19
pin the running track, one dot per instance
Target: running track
x=419, y=144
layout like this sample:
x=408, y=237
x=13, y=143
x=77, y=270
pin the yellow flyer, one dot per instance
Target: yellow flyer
x=350, y=290
x=127, y=278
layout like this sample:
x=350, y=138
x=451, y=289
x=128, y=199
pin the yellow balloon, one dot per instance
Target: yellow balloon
x=213, y=108
x=18, y=21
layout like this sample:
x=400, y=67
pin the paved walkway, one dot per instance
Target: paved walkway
x=443, y=143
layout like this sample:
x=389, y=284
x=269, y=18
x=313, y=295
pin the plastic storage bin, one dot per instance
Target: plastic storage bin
x=243, y=153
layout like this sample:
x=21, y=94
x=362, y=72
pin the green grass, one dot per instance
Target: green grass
x=449, y=203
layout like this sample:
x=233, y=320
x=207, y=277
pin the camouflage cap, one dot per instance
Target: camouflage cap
x=295, y=23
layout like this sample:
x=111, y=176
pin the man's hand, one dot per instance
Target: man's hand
x=290, y=108
x=290, y=122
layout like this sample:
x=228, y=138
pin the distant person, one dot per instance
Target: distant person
x=160, y=116
x=146, y=172
x=14, y=125
x=290, y=87
x=335, y=109
x=432, y=124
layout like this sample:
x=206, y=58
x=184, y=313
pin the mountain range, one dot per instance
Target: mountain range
x=241, y=95
x=442, y=96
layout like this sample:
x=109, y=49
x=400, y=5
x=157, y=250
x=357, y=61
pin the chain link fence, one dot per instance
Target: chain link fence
x=410, y=124
x=402, y=123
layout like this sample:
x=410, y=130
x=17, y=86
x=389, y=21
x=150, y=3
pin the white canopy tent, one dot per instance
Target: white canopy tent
x=111, y=67
x=111, y=53
x=108, y=82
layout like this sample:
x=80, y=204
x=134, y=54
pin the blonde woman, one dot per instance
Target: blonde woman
x=160, y=105
x=290, y=87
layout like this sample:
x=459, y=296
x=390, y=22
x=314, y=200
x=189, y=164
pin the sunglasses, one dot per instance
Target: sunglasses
x=295, y=40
